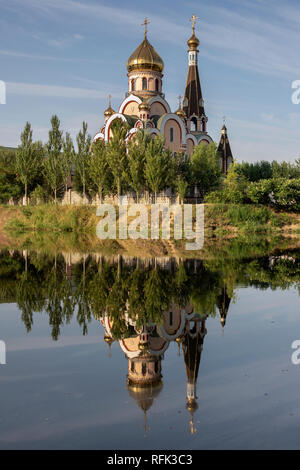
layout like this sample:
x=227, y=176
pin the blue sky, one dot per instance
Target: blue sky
x=66, y=57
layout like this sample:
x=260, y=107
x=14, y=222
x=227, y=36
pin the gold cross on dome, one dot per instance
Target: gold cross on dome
x=193, y=19
x=179, y=99
x=146, y=22
x=109, y=100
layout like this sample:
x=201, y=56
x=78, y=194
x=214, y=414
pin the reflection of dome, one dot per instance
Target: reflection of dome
x=145, y=396
x=145, y=57
x=108, y=339
x=193, y=43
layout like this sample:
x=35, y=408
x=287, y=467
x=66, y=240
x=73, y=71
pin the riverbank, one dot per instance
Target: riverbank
x=64, y=228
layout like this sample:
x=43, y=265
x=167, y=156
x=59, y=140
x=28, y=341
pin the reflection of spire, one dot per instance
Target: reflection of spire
x=195, y=332
x=223, y=302
x=192, y=407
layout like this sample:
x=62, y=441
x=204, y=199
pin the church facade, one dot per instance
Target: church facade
x=145, y=106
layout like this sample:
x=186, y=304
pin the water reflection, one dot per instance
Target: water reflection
x=145, y=306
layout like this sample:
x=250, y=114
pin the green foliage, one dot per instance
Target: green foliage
x=53, y=163
x=10, y=186
x=82, y=156
x=136, y=161
x=278, y=192
x=28, y=159
x=205, y=168
x=157, y=165
x=98, y=169
x=116, y=154
x=67, y=158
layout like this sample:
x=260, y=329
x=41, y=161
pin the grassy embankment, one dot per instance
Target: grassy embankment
x=65, y=228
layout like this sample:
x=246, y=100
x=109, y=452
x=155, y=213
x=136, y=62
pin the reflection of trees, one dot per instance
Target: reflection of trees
x=132, y=292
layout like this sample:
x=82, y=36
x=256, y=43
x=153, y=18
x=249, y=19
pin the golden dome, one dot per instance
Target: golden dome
x=193, y=43
x=145, y=57
x=182, y=116
x=109, y=111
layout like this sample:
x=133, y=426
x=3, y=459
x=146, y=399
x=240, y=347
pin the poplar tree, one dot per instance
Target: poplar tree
x=98, y=170
x=206, y=168
x=157, y=164
x=84, y=142
x=53, y=167
x=116, y=153
x=67, y=158
x=28, y=159
x=136, y=161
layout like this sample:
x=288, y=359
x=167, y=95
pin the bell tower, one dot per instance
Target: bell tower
x=193, y=103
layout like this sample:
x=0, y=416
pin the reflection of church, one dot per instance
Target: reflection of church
x=145, y=106
x=145, y=350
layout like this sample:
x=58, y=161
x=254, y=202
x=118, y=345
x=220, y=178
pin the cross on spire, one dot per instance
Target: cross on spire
x=109, y=100
x=145, y=23
x=193, y=19
x=224, y=120
x=179, y=99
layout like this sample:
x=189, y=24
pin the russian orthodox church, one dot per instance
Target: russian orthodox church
x=145, y=106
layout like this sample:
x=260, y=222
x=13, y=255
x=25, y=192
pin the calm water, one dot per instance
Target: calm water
x=128, y=354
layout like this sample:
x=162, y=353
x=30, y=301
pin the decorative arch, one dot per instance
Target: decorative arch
x=164, y=119
x=192, y=137
x=99, y=136
x=110, y=120
x=159, y=99
x=127, y=100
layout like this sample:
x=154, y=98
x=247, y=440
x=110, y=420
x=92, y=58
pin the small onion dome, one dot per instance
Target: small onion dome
x=145, y=57
x=193, y=43
x=180, y=113
x=144, y=106
x=109, y=112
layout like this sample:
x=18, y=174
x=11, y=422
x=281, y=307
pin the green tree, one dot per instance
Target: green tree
x=53, y=166
x=116, y=153
x=98, y=170
x=157, y=164
x=84, y=141
x=67, y=158
x=10, y=185
x=205, y=168
x=136, y=161
x=28, y=159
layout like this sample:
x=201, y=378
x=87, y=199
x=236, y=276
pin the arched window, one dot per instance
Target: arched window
x=171, y=319
x=193, y=124
x=156, y=367
x=171, y=134
x=132, y=367
x=132, y=85
x=156, y=84
x=144, y=83
x=144, y=368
